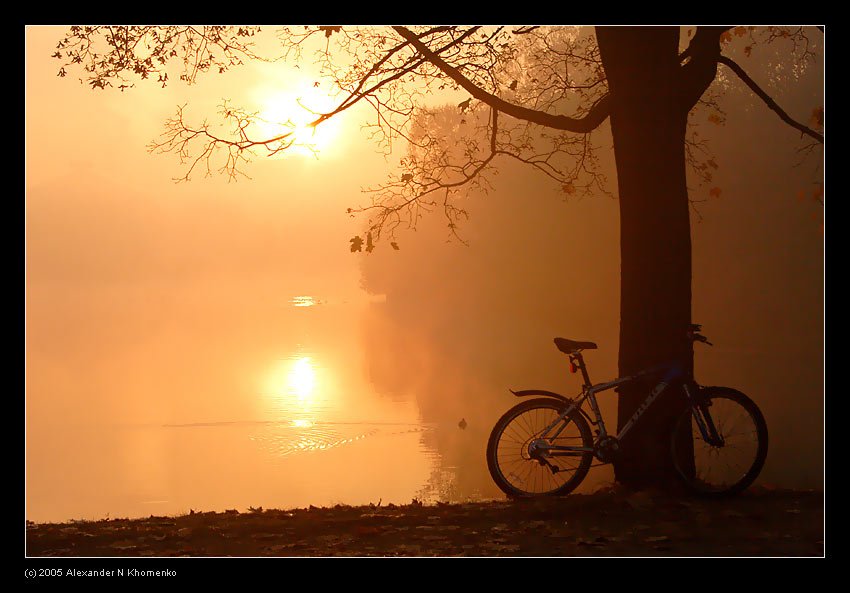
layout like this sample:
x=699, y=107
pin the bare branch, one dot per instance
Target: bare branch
x=179, y=137
x=583, y=125
x=768, y=100
x=358, y=93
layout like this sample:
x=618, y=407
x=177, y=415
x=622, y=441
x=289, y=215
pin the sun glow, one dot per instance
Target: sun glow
x=291, y=112
x=292, y=384
x=302, y=378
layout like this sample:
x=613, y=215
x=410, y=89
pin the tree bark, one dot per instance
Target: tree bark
x=648, y=120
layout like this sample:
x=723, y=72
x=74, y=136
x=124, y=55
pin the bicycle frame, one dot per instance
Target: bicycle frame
x=673, y=373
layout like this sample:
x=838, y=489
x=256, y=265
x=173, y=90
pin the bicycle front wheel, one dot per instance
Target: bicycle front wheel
x=519, y=456
x=726, y=465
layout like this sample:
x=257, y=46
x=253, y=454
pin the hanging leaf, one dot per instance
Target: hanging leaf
x=407, y=177
x=330, y=30
x=464, y=105
x=369, y=245
x=394, y=245
x=356, y=244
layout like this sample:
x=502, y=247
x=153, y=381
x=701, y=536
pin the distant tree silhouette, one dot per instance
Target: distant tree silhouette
x=517, y=84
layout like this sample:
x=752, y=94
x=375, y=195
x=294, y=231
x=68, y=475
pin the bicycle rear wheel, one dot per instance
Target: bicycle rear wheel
x=729, y=466
x=518, y=470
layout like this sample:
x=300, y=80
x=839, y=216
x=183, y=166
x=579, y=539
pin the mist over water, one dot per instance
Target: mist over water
x=210, y=346
x=461, y=325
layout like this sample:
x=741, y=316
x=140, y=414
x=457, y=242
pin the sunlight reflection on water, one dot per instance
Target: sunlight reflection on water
x=308, y=429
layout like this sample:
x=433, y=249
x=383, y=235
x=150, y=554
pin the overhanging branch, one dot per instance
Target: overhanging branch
x=768, y=100
x=594, y=118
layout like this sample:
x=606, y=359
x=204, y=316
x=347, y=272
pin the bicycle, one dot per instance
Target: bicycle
x=545, y=446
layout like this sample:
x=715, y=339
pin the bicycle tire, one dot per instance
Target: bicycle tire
x=742, y=426
x=507, y=454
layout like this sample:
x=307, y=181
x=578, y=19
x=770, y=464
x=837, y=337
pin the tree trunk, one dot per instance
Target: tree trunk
x=648, y=121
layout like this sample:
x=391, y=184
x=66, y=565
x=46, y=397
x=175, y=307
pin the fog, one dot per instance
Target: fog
x=462, y=324
x=161, y=335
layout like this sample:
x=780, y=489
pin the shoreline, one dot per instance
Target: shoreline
x=757, y=523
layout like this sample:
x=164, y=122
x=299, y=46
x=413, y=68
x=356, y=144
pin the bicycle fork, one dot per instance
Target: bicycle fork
x=705, y=423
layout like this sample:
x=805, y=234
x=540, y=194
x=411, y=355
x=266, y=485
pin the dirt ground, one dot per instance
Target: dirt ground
x=758, y=523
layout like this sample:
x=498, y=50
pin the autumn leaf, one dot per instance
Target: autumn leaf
x=330, y=30
x=748, y=50
x=369, y=245
x=123, y=545
x=356, y=244
x=715, y=192
x=394, y=245
x=407, y=177
x=568, y=188
x=513, y=85
x=726, y=37
x=464, y=105
x=740, y=31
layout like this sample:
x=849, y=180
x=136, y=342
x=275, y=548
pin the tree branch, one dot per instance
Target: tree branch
x=767, y=99
x=358, y=93
x=699, y=72
x=594, y=118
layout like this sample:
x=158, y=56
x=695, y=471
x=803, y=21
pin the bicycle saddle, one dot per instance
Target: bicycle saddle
x=571, y=346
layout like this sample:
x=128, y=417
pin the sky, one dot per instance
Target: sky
x=151, y=303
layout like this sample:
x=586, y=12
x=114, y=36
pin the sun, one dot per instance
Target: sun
x=291, y=111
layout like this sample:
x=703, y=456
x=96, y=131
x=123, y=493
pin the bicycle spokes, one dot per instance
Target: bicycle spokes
x=536, y=449
x=729, y=440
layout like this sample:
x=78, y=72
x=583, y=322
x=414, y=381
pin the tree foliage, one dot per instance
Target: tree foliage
x=458, y=98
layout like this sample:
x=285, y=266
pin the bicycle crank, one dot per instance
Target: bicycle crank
x=606, y=449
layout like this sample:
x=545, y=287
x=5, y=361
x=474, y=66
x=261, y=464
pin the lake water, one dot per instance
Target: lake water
x=302, y=426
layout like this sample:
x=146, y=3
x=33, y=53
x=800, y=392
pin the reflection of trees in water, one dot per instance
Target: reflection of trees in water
x=461, y=325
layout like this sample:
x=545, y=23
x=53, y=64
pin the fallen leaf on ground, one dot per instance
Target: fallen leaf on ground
x=123, y=545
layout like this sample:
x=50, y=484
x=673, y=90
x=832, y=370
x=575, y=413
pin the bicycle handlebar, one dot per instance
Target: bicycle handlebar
x=693, y=328
x=700, y=338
